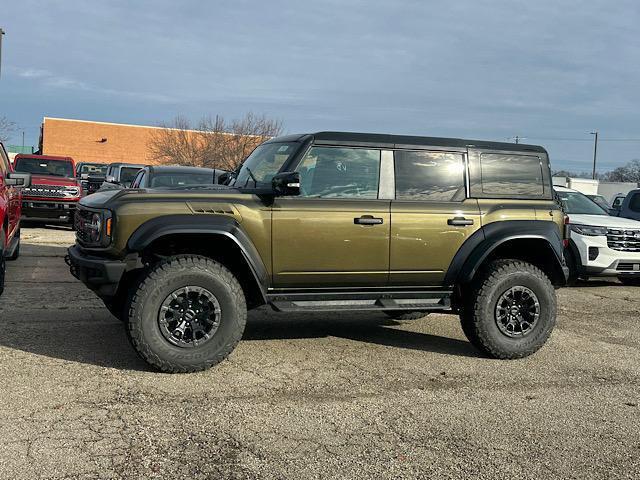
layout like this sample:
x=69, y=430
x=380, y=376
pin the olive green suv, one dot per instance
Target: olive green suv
x=332, y=221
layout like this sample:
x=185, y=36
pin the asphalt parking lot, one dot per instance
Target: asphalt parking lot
x=315, y=396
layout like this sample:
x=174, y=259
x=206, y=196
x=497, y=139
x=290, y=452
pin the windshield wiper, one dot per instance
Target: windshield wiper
x=252, y=176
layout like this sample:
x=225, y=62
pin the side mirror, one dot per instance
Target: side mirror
x=286, y=184
x=111, y=179
x=223, y=178
x=19, y=180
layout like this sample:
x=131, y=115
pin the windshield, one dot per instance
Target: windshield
x=179, y=179
x=90, y=169
x=265, y=161
x=578, y=204
x=37, y=166
x=127, y=174
x=600, y=200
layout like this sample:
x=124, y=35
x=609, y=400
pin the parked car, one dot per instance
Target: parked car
x=630, y=206
x=122, y=174
x=333, y=221
x=54, y=191
x=600, y=201
x=600, y=244
x=91, y=176
x=175, y=177
x=10, y=208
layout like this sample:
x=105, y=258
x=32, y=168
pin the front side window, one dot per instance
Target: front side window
x=340, y=172
x=634, y=203
x=36, y=166
x=429, y=176
x=263, y=163
x=511, y=174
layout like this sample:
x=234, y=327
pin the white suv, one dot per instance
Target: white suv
x=600, y=245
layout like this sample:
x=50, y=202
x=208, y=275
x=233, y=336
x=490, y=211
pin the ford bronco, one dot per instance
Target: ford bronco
x=332, y=221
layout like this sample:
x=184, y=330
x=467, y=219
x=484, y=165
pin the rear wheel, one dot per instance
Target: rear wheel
x=187, y=314
x=512, y=310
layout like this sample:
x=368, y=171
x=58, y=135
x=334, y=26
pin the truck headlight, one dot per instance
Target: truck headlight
x=93, y=227
x=589, y=230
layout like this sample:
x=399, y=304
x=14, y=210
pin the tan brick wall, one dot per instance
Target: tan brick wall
x=82, y=141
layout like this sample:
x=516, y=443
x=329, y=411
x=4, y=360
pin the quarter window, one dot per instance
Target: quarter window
x=335, y=172
x=508, y=174
x=429, y=176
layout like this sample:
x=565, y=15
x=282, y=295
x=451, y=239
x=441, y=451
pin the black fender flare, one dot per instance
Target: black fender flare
x=159, y=227
x=485, y=240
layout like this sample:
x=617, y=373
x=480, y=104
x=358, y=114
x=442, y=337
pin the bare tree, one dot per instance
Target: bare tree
x=7, y=128
x=213, y=142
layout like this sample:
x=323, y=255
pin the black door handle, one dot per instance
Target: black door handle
x=367, y=220
x=460, y=221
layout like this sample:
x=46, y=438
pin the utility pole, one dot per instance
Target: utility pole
x=1, y=34
x=22, y=141
x=595, y=152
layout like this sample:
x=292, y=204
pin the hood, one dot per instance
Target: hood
x=604, y=221
x=103, y=197
x=53, y=180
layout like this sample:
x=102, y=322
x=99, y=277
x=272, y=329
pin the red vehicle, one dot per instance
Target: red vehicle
x=54, y=191
x=10, y=205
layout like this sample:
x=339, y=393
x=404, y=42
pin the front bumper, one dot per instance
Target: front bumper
x=608, y=262
x=48, y=210
x=102, y=275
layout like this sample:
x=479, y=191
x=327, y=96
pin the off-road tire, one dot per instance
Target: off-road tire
x=478, y=314
x=405, y=314
x=162, y=279
x=630, y=281
x=3, y=263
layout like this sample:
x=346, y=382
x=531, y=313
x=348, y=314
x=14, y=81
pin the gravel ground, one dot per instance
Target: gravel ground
x=312, y=396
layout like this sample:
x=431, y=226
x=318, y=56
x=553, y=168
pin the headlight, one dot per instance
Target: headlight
x=93, y=228
x=589, y=230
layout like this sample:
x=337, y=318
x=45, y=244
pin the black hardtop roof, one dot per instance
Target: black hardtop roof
x=397, y=141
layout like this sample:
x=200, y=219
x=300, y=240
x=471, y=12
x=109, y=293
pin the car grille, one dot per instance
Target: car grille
x=623, y=240
x=83, y=218
x=44, y=191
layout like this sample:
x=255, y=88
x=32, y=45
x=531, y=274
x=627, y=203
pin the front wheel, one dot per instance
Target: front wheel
x=187, y=314
x=512, y=310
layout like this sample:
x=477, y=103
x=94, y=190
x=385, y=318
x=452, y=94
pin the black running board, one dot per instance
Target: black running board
x=360, y=301
x=11, y=248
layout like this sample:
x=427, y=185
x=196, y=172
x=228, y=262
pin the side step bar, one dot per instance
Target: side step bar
x=360, y=301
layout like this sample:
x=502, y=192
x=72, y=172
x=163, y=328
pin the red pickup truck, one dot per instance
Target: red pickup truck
x=10, y=204
x=54, y=192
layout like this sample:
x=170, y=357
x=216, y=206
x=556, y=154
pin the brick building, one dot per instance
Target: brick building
x=99, y=142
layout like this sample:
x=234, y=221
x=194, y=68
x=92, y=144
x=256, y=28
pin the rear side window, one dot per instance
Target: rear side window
x=429, y=176
x=511, y=174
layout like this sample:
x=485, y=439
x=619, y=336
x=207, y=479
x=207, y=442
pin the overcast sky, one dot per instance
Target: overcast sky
x=549, y=71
